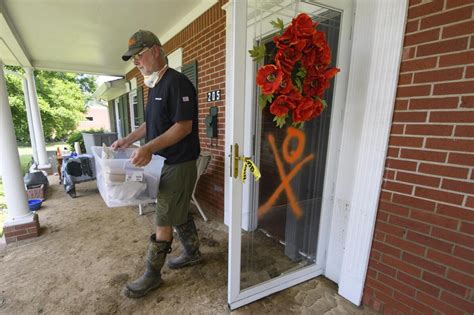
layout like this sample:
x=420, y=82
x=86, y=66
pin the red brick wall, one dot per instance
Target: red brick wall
x=204, y=41
x=422, y=258
x=135, y=73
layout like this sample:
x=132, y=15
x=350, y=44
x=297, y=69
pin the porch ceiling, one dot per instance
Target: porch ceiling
x=86, y=36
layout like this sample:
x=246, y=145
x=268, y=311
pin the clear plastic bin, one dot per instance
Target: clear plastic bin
x=122, y=184
x=97, y=139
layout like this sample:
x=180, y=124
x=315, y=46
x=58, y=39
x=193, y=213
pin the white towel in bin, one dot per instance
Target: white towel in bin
x=126, y=190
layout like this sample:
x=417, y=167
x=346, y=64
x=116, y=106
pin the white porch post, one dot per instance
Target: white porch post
x=36, y=118
x=30, y=119
x=15, y=194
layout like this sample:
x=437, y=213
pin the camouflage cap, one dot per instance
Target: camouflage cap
x=138, y=41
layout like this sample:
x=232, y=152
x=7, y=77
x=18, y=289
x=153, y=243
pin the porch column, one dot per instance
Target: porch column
x=18, y=214
x=30, y=120
x=36, y=118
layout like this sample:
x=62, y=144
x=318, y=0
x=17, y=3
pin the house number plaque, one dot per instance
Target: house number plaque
x=213, y=96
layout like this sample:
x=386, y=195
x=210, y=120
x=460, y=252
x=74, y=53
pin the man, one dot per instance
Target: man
x=170, y=130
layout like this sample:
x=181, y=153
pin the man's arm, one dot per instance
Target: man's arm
x=176, y=133
x=136, y=135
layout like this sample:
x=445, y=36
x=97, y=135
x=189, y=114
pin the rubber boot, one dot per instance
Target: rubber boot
x=189, y=239
x=151, y=279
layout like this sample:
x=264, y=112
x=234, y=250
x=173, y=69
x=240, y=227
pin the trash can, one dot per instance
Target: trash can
x=97, y=139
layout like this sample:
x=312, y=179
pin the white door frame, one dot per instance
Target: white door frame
x=118, y=120
x=131, y=94
x=379, y=28
x=375, y=59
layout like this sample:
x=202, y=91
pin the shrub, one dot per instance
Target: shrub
x=2, y=199
x=76, y=136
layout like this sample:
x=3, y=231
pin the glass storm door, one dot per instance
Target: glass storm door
x=279, y=225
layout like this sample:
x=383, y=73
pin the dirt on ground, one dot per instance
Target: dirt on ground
x=87, y=252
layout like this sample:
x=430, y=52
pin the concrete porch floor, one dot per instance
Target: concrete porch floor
x=87, y=252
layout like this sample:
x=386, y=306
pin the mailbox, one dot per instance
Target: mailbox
x=211, y=123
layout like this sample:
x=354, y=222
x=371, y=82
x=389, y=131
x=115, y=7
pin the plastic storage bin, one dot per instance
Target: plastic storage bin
x=97, y=139
x=35, y=204
x=122, y=184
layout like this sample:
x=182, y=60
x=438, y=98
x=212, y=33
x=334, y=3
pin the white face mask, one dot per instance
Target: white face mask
x=152, y=79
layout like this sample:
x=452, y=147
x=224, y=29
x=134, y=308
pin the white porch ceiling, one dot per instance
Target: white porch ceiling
x=87, y=36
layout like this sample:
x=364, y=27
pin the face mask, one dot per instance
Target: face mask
x=152, y=79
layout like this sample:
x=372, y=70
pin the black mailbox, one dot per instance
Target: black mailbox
x=211, y=123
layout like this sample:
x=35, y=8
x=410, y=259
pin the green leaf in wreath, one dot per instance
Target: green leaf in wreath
x=258, y=53
x=263, y=100
x=280, y=121
x=278, y=24
x=325, y=104
x=301, y=72
x=298, y=84
x=298, y=125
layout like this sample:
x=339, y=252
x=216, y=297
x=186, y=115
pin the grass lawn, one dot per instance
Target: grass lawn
x=25, y=157
x=2, y=207
x=49, y=147
x=26, y=153
x=3, y=215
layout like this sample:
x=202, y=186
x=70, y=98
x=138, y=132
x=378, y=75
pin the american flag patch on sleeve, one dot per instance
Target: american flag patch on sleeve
x=185, y=98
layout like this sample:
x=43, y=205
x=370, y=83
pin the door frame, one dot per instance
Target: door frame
x=376, y=52
x=133, y=93
x=118, y=120
x=379, y=28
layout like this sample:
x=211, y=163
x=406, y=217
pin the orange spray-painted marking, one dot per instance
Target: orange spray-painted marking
x=290, y=158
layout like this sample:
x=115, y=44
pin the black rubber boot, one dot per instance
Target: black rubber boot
x=151, y=279
x=188, y=236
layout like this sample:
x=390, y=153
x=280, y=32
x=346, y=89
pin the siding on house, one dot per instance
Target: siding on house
x=422, y=258
x=203, y=41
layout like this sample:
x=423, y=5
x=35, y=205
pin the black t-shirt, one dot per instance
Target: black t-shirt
x=173, y=99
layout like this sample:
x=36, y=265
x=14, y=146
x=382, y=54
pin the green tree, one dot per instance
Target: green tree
x=87, y=83
x=61, y=99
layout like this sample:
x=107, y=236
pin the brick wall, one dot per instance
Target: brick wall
x=422, y=258
x=19, y=232
x=204, y=41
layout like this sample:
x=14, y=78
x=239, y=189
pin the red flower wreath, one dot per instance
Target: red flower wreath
x=295, y=84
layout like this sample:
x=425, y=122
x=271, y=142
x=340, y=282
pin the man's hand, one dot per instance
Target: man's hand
x=127, y=141
x=120, y=144
x=141, y=157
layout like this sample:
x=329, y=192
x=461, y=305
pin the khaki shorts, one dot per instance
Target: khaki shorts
x=174, y=193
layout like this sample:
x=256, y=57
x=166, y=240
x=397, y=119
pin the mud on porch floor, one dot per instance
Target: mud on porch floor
x=87, y=252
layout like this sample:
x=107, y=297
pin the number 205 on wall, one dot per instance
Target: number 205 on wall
x=213, y=96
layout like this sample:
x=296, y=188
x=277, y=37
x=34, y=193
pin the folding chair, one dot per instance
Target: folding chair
x=202, y=163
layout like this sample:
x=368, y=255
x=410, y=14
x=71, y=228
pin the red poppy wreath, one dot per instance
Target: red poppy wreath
x=294, y=85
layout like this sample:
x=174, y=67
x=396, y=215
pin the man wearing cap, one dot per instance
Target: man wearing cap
x=170, y=130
